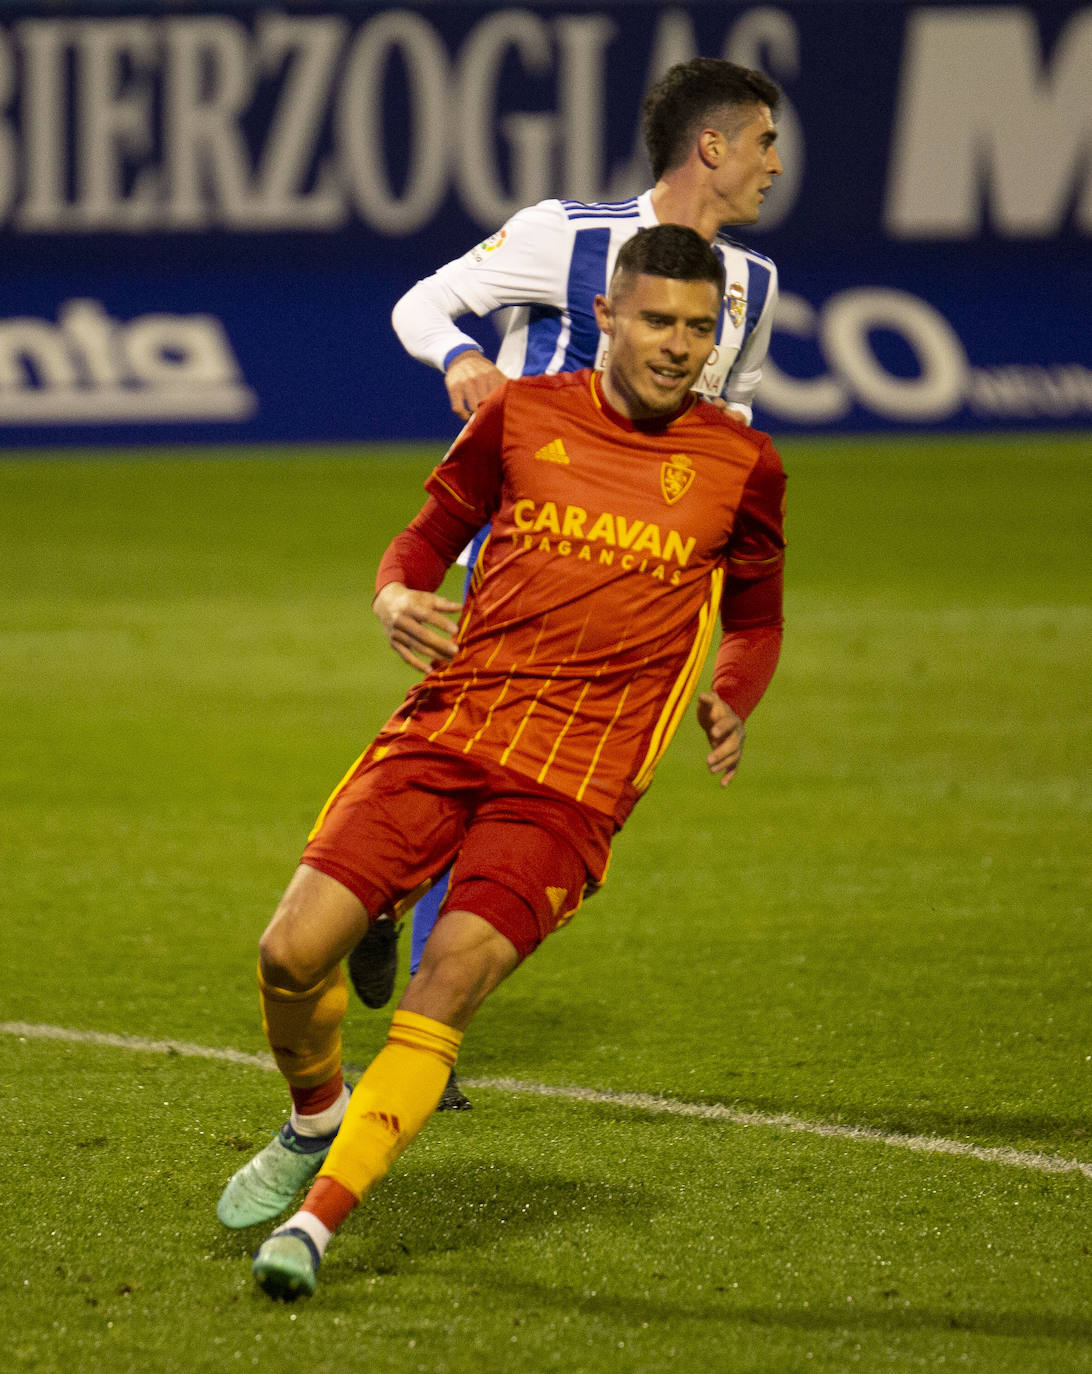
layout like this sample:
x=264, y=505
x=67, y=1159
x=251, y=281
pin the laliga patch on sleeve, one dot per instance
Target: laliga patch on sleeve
x=490, y=245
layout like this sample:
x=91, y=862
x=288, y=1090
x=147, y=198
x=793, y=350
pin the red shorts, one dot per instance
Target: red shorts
x=524, y=855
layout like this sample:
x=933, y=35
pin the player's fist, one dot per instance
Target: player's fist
x=469, y=380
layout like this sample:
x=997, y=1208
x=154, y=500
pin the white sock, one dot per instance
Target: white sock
x=309, y=1223
x=322, y=1123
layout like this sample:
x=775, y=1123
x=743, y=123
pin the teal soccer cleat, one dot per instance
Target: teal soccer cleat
x=266, y=1184
x=286, y=1264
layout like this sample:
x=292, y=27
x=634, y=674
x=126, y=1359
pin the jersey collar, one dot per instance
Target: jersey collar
x=636, y=426
x=645, y=213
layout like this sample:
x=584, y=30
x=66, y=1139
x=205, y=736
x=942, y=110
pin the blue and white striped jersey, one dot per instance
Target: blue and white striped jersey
x=544, y=269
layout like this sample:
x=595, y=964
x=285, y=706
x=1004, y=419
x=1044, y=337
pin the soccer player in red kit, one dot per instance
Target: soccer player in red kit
x=628, y=516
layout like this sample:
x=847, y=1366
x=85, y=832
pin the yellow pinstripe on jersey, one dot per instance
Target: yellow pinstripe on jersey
x=683, y=690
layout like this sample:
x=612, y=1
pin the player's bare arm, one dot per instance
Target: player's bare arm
x=725, y=732
x=469, y=380
x=418, y=625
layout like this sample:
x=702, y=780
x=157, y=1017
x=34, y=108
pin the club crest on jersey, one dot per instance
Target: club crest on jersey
x=735, y=298
x=676, y=474
x=489, y=245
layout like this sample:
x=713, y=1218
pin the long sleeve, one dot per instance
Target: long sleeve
x=525, y=263
x=421, y=555
x=746, y=371
x=751, y=610
x=424, y=321
x=745, y=665
x=462, y=495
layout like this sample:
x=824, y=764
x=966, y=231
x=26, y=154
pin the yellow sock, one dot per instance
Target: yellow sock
x=304, y=1028
x=394, y=1099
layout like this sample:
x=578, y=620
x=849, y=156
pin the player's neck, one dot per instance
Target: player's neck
x=676, y=199
x=626, y=411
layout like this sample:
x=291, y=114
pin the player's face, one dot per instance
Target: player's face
x=748, y=165
x=661, y=333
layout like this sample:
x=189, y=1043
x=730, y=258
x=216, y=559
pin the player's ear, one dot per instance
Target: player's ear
x=711, y=147
x=604, y=315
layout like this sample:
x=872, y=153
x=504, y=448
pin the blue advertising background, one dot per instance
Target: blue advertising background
x=208, y=211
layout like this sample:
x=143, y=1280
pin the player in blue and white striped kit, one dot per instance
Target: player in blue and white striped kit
x=710, y=135
x=548, y=264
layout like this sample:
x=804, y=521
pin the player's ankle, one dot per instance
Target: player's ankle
x=329, y=1202
x=310, y=1225
x=323, y=1122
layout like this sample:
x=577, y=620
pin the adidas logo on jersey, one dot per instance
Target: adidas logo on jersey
x=553, y=452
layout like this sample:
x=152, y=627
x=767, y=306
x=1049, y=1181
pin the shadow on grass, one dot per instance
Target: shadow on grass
x=719, y=1310
x=1012, y=1324
x=440, y=1208
x=473, y=1211
x=474, y=1206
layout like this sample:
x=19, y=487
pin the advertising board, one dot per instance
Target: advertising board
x=208, y=211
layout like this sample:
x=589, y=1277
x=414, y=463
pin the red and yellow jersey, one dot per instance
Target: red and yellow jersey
x=597, y=595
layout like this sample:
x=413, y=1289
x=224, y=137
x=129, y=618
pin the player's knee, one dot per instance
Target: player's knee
x=284, y=964
x=315, y=921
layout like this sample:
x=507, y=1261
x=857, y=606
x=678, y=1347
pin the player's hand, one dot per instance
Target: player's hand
x=725, y=733
x=469, y=380
x=418, y=624
x=729, y=409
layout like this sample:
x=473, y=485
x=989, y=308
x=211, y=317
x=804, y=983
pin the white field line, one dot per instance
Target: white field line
x=644, y=1102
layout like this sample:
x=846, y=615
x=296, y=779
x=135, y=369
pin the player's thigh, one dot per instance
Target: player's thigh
x=393, y=825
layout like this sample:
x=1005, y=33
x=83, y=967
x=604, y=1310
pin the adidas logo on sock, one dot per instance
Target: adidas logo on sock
x=387, y=1120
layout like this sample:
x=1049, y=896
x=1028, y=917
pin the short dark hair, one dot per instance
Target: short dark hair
x=668, y=250
x=687, y=95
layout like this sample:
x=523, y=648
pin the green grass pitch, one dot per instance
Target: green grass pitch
x=883, y=923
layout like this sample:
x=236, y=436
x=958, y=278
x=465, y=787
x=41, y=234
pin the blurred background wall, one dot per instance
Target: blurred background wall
x=208, y=210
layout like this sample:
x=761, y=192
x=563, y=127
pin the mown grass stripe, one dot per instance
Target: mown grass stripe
x=645, y=1102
